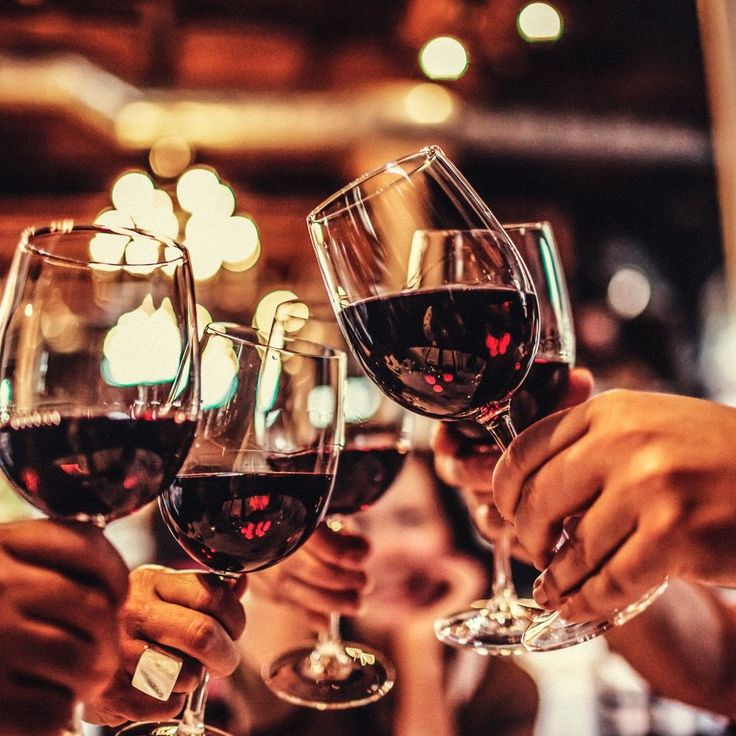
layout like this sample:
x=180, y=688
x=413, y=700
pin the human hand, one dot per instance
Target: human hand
x=195, y=614
x=61, y=585
x=652, y=476
x=325, y=575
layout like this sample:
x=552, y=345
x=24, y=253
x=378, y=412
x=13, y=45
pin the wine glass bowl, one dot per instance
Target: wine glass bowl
x=258, y=477
x=92, y=427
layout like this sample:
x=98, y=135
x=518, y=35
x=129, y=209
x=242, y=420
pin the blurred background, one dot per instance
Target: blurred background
x=223, y=123
x=233, y=119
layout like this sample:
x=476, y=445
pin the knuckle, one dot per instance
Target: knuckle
x=134, y=617
x=203, y=635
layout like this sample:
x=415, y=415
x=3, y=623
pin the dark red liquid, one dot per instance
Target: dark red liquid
x=540, y=393
x=94, y=467
x=446, y=352
x=236, y=522
x=363, y=476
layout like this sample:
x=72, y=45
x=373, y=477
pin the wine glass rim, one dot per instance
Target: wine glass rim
x=251, y=336
x=33, y=233
x=425, y=155
x=531, y=225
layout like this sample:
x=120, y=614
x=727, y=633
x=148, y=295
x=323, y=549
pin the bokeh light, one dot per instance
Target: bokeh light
x=266, y=309
x=629, y=292
x=539, y=22
x=443, y=57
x=429, y=104
x=132, y=192
x=170, y=156
x=144, y=347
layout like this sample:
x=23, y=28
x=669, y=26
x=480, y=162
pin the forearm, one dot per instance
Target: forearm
x=421, y=706
x=272, y=629
x=685, y=647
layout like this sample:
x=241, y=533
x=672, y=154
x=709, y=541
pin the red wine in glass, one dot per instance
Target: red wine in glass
x=242, y=522
x=445, y=352
x=102, y=466
x=366, y=475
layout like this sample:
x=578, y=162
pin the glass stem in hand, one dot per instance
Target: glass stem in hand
x=192, y=720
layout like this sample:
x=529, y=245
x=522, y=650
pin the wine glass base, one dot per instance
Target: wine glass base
x=165, y=728
x=549, y=632
x=361, y=677
x=485, y=631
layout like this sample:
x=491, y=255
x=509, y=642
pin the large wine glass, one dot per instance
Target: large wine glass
x=332, y=673
x=439, y=308
x=99, y=370
x=258, y=477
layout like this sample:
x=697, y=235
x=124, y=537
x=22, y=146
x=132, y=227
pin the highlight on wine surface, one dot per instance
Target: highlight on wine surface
x=258, y=478
x=99, y=369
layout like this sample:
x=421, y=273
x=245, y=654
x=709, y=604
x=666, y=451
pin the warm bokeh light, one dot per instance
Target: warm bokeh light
x=198, y=190
x=201, y=217
x=219, y=372
x=539, y=22
x=266, y=309
x=429, y=104
x=132, y=192
x=141, y=255
x=240, y=243
x=144, y=347
x=443, y=57
x=170, y=156
x=629, y=292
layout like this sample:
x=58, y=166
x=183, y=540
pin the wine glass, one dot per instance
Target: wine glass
x=332, y=673
x=99, y=370
x=258, y=477
x=440, y=310
x=539, y=395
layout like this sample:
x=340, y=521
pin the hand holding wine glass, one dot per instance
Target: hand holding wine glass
x=440, y=310
x=257, y=480
x=99, y=370
x=186, y=611
x=62, y=587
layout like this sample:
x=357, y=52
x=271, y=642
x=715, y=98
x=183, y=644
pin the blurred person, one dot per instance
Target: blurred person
x=194, y=616
x=411, y=559
x=61, y=588
x=651, y=475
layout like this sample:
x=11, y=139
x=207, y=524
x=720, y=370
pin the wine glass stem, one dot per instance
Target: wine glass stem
x=332, y=633
x=504, y=593
x=192, y=720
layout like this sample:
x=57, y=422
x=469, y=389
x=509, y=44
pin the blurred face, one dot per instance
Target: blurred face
x=408, y=533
